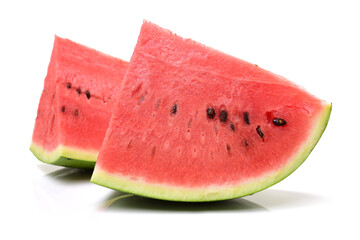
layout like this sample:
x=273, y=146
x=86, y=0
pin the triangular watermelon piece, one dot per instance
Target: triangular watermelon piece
x=195, y=124
x=76, y=104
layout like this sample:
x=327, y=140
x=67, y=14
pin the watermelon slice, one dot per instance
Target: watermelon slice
x=76, y=104
x=195, y=124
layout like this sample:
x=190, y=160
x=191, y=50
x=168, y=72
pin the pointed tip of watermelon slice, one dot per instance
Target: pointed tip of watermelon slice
x=65, y=156
x=215, y=193
x=304, y=151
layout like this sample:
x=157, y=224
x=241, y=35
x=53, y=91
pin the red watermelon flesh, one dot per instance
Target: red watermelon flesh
x=195, y=124
x=76, y=104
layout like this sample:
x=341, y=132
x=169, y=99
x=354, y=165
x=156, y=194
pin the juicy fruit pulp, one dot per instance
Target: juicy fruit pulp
x=75, y=106
x=195, y=124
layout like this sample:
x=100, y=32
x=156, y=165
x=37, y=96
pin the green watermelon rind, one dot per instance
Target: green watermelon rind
x=215, y=193
x=65, y=156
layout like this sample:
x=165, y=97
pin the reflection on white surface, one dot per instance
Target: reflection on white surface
x=281, y=199
x=66, y=189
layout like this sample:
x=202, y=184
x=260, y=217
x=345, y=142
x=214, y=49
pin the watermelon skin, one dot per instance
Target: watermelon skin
x=75, y=105
x=152, y=150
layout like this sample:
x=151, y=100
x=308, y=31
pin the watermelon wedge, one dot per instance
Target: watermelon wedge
x=75, y=106
x=195, y=124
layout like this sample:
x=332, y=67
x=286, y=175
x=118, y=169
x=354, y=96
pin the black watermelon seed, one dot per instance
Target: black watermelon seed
x=210, y=113
x=223, y=116
x=68, y=85
x=228, y=148
x=76, y=112
x=88, y=94
x=279, y=122
x=246, y=118
x=232, y=126
x=258, y=130
x=63, y=109
x=174, y=109
x=78, y=91
x=246, y=143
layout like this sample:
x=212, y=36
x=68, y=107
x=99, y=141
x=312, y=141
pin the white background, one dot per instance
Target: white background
x=314, y=43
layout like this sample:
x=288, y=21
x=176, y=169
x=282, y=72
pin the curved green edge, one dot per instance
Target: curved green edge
x=215, y=193
x=65, y=156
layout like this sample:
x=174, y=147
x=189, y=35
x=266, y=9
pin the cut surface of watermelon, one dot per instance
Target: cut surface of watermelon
x=195, y=124
x=76, y=104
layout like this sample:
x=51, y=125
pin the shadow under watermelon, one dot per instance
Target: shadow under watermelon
x=72, y=180
x=266, y=200
x=119, y=201
x=64, y=174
